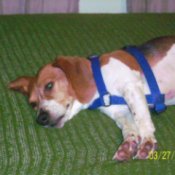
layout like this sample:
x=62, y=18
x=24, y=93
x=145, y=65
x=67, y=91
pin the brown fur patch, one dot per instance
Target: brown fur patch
x=79, y=74
x=23, y=84
x=123, y=56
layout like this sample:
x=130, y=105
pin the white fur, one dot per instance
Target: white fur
x=165, y=73
x=169, y=102
x=75, y=107
x=134, y=118
x=55, y=109
x=121, y=80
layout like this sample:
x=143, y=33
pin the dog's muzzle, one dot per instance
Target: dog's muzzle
x=43, y=118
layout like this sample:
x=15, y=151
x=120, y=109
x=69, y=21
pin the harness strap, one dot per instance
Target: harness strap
x=104, y=95
x=105, y=99
x=157, y=98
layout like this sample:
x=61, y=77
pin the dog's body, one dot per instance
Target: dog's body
x=60, y=90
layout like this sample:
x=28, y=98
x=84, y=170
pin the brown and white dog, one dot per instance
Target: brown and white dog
x=66, y=86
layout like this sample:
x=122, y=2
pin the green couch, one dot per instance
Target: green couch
x=88, y=142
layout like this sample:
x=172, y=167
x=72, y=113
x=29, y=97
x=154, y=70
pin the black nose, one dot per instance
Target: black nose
x=43, y=118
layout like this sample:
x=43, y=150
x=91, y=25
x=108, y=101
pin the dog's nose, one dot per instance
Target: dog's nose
x=43, y=118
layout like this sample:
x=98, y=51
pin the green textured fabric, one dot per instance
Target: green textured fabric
x=87, y=143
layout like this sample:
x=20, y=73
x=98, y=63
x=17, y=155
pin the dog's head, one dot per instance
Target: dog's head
x=53, y=91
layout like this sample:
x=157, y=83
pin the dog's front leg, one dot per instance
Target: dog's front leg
x=128, y=148
x=135, y=98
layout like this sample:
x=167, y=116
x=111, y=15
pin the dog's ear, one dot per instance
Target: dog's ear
x=22, y=84
x=79, y=74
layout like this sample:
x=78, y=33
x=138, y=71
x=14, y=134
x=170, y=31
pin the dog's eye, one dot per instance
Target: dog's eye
x=48, y=86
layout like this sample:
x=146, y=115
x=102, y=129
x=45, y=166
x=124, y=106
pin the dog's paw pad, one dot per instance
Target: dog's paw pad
x=145, y=149
x=126, y=151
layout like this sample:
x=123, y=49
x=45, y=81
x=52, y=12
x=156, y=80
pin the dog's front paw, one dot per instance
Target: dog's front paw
x=147, y=146
x=127, y=150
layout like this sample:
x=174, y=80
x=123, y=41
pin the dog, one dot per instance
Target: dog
x=66, y=86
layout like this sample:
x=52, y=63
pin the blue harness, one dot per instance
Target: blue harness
x=156, y=99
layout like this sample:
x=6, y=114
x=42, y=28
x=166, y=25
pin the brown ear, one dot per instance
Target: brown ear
x=78, y=72
x=22, y=84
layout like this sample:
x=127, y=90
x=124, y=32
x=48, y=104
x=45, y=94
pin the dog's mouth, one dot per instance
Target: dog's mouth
x=59, y=122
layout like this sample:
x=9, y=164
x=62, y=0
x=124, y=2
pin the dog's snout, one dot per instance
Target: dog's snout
x=43, y=118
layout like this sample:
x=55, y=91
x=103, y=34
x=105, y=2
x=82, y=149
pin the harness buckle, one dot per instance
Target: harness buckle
x=106, y=99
